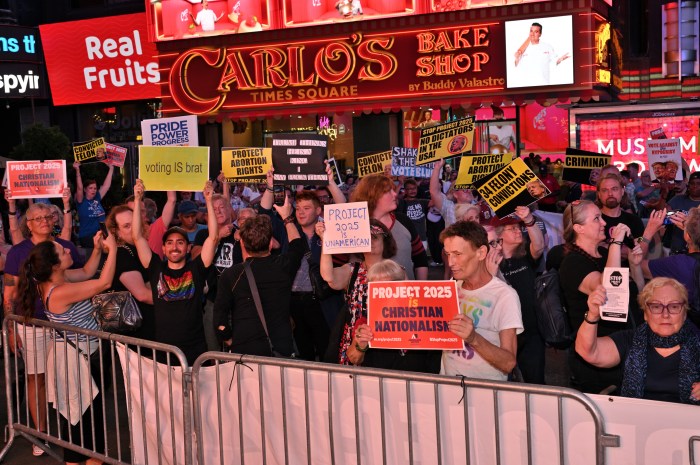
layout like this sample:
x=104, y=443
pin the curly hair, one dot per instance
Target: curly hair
x=645, y=295
x=36, y=269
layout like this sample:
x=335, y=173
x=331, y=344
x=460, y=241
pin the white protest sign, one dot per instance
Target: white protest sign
x=178, y=130
x=617, y=287
x=347, y=228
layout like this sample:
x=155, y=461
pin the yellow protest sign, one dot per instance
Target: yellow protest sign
x=473, y=167
x=173, y=168
x=511, y=186
x=91, y=151
x=445, y=140
x=246, y=164
x=373, y=163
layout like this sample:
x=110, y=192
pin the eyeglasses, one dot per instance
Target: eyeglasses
x=40, y=219
x=513, y=228
x=657, y=308
x=496, y=243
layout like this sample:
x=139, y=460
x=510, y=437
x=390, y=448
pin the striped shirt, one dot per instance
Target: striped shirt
x=79, y=315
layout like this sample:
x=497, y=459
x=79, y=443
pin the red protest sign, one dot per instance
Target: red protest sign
x=35, y=179
x=115, y=155
x=413, y=315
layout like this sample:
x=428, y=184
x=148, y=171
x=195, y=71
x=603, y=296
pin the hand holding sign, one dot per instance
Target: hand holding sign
x=463, y=326
x=139, y=190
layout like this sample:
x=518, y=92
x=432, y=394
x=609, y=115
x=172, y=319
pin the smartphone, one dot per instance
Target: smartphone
x=103, y=228
x=279, y=195
x=336, y=173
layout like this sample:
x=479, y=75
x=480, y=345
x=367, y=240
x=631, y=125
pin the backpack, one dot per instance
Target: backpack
x=552, y=317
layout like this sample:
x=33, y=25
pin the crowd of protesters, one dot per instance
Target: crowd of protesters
x=242, y=268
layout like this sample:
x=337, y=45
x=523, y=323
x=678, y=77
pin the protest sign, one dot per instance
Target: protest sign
x=372, y=163
x=116, y=155
x=91, y=151
x=249, y=165
x=583, y=167
x=298, y=158
x=617, y=293
x=413, y=315
x=36, y=179
x=658, y=133
x=511, y=186
x=403, y=163
x=664, y=157
x=174, y=168
x=473, y=167
x=347, y=228
x=178, y=130
x=445, y=140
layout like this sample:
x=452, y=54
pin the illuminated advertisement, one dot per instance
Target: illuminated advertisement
x=100, y=60
x=624, y=135
x=20, y=44
x=189, y=19
x=455, y=61
x=22, y=71
x=539, y=52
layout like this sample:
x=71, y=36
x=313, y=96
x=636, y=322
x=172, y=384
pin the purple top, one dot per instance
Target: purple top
x=19, y=253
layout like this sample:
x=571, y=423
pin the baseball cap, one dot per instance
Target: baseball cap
x=187, y=207
x=176, y=230
x=695, y=175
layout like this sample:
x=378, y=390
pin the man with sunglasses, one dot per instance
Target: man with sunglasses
x=34, y=344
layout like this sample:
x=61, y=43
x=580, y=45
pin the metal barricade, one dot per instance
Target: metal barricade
x=148, y=393
x=260, y=410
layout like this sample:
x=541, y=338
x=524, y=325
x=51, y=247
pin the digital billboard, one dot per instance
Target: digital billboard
x=539, y=52
x=105, y=59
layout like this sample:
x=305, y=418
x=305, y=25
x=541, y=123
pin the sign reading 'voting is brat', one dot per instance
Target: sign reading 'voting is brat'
x=36, y=179
x=347, y=228
x=298, y=159
x=174, y=168
x=413, y=315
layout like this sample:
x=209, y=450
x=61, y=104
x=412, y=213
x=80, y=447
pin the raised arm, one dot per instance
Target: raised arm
x=169, y=208
x=337, y=278
x=108, y=182
x=67, y=231
x=134, y=283
x=88, y=270
x=336, y=193
x=435, y=192
x=268, y=197
x=225, y=187
x=78, y=183
x=142, y=247
x=285, y=212
x=210, y=243
x=533, y=231
x=15, y=231
x=599, y=351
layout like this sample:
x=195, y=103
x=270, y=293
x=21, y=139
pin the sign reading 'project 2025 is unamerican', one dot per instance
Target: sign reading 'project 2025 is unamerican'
x=100, y=60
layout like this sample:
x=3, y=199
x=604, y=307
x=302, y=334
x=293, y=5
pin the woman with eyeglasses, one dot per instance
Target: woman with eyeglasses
x=661, y=358
x=519, y=269
x=580, y=273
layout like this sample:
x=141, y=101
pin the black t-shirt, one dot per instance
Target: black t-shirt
x=273, y=277
x=416, y=210
x=635, y=224
x=228, y=253
x=128, y=261
x=519, y=272
x=661, y=382
x=177, y=298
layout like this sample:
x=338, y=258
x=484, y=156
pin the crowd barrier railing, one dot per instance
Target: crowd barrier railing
x=260, y=410
x=147, y=402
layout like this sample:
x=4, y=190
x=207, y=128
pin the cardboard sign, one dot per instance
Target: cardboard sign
x=298, y=158
x=373, y=163
x=36, y=179
x=179, y=130
x=473, y=167
x=116, y=155
x=665, y=159
x=445, y=140
x=90, y=152
x=403, y=163
x=413, y=315
x=511, y=186
x=347, y=228
x=174, y=168
x=583, y=167
x=249, y=165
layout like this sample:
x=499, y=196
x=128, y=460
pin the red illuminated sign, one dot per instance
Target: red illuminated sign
x=100, y=60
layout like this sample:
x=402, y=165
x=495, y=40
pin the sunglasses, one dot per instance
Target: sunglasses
x=573, y=204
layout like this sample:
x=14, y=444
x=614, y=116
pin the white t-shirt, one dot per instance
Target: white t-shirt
x=206, y=19
x=504, y=135
x=535, y=64
x=493, y=308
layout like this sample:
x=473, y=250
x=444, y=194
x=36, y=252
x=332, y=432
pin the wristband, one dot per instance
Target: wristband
x=12, y=213
x=67, y=211
x=531, y=223
x=641, y=239
x=270, y=189
x=357, y=346
x=289, y=219
x=585, y=318
x=620, y=243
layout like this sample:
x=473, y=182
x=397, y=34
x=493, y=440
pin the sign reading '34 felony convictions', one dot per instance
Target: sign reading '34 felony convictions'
x=298, y=158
